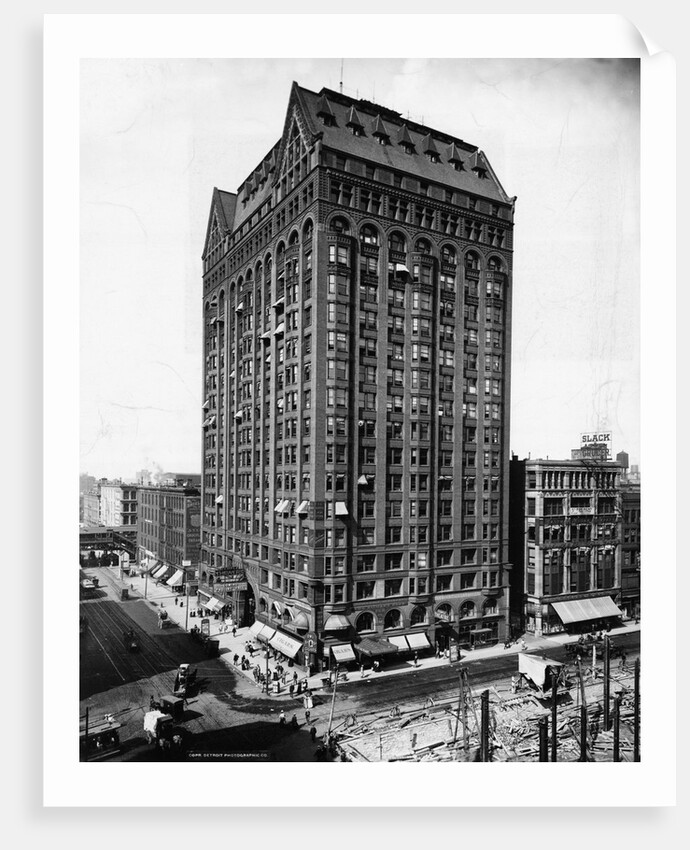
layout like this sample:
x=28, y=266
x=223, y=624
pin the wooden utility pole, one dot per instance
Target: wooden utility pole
x=607, y=682
x=617, y=728
x=583, y=716
x=543, y=739
x=330, y=716
x=463, y=702
x=636, y=716
x=484, y=740
x=554, y=719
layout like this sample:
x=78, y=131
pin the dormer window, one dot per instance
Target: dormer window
x=407, y=148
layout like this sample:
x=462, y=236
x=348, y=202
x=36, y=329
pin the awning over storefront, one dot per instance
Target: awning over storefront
x=176, y=579
x=259, y=630
x=578, y=610
x=418, y=640
x=285, y=644
x=212, y=604
x=158, y=571
x=375, y=646
x=336, y=622
x=400, y=641
x=343, y=652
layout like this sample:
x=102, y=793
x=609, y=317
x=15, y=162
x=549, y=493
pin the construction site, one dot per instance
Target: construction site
x=586, y=710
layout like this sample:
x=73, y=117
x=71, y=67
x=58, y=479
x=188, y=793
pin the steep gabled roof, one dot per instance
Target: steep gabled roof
x=428, y=145
x=353, y=119
x=220, y=215
x=338, y=138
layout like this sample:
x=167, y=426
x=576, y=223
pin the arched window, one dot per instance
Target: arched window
x=365, y=622
x=444, y=613
x=423, y=246
x=393, y=619
x=262, y=605
x=396, y=242
x=308, y=231
x=204, y=577
x=495, y=264
x=471, y=260
x=339, y=225
x=294, y=238
x=467, y=609
x=448, y=255
x=369, y=235
x=418, y=616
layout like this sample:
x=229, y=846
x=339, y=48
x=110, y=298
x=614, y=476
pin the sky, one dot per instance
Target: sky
x=157, y=135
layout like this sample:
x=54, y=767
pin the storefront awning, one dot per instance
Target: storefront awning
x=336, y=622
x=418, y=640
x=343, y=652
x=374, y=647
x=212, y=604
x=578, y=610
x=176, y=579
x=285, y=644
x=400, y=641
x=259, y=630
x=158, y=571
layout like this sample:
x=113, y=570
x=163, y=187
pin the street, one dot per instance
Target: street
x=229, y=718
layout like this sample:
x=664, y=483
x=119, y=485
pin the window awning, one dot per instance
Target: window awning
x=205, y=405
x=336, y=622
x=303, y=507
x=375, y=646
x=279, y=302
x=363, y=480
x=266, y=336
x=285, y=644
x=418, y=640
x=340, y=509
x=578, y=610
x=300, y=620
x=176, y=579
x=399, y=641
x=219, y=500
x=261, y=631
x=343, y=652
x=276, y=605
x=239, y=307
x=281, y=506
x=401, y=267
x=279, y=329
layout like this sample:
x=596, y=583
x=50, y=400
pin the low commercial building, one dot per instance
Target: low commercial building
x=118, y=504
x=566, y=534
x=168, y=536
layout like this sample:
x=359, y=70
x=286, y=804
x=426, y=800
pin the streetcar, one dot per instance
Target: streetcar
x=99, y=740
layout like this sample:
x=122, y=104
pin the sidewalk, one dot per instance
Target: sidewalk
x=162, y=596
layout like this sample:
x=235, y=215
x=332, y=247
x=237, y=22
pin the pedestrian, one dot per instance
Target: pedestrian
x=235, y=659
x=295, y=677
x=284, y=677
x=312, y=733
x=299, y=688
x=416, y=660
x=292, y=688
x=294, y=722
x=234, y=631
x=361, y=670
x=513, y=684
x=307, y=715
x=523, y=644
x=282, y=719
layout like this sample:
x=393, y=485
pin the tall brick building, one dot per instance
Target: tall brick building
x=357, y=320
